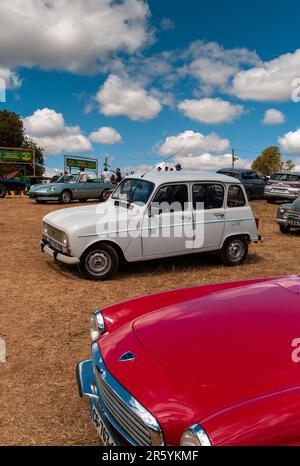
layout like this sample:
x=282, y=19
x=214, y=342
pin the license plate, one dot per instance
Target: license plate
x=101, y=427
x=55, y=245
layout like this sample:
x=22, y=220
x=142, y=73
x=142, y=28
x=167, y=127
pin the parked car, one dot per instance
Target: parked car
x=288, y=216
x=253, y=181
x=68, y=188
x=17, y=186
x=209, y=365
x=154, y=216
x=283, y=185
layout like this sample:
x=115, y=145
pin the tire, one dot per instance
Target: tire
x=284, y=229
x=104, y=195
x=41, y=202
x=3, y=191
x=65, y=197
x=99, y=262
x=234, y=251
x=271, y=201
x=248, y=192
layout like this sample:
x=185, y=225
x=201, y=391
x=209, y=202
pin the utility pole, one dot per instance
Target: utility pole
x=106, y=165
x=234, y=158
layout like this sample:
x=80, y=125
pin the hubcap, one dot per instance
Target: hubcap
x=98, y=262
x=66, y=197
x=235, y=250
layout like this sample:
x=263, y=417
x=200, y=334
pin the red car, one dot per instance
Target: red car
x=210, y=365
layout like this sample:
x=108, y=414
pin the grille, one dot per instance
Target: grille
x=123, y=416
x=294, y=215
x=55, y=234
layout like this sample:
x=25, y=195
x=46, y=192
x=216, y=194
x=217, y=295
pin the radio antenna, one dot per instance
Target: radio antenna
x=173, y=155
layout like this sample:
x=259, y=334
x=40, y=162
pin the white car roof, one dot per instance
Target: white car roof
x=181, y=176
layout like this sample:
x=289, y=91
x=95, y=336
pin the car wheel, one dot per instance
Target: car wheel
x=99, y=262
x=3, y=191
x=104, y=196
x=284, y=229
x=65, y=197
x=234, y=251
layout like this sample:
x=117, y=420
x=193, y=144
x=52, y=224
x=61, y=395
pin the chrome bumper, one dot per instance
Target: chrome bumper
x=58, y=256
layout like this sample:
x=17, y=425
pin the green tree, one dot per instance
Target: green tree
x=12, y=135
x=270, y=161
x=11, y=129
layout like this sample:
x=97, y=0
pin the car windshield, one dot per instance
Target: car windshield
x=67, y=179
x=285, y=177
x=133, y=191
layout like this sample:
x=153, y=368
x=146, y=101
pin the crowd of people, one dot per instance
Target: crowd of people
x=171, y=169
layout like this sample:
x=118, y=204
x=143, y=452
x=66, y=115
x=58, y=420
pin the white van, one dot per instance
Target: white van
x=153, y=216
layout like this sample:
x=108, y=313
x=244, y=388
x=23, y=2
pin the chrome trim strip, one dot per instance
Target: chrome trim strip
x=131, y=404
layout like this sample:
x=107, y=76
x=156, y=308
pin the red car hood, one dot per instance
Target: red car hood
x=196, y=358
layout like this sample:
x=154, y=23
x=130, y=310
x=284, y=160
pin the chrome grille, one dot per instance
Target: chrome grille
x=294, y=215
x=135, y=424
x=55, y=233
x=125, y=418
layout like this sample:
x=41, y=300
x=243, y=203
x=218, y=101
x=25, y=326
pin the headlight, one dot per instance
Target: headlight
x=65, y=239
x=97, y=325
x=282, y=209
x=195, y=436
x=51, y=190
x=45, y=228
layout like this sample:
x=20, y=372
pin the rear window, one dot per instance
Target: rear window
x=235, y=197
x=285, y=177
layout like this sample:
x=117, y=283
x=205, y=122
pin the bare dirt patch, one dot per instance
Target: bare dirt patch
x=45, y=309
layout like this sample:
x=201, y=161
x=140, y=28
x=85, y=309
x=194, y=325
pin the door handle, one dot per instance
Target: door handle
x=219, y=215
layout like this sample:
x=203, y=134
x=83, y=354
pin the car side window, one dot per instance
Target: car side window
x=235, y=196
x=172, y=194
x=209, y=195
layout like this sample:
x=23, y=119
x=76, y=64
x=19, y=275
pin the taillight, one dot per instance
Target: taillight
x=295, y=185
x=270, y=182
x=257, y=222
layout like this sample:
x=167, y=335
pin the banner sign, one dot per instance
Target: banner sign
x=12, y=155
x=81, y=163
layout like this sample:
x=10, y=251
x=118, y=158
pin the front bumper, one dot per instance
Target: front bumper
x=38, y=196
x=58, y=256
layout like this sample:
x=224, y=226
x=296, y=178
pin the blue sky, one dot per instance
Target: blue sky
x=138, y=80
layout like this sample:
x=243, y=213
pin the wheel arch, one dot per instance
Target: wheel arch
x=111, y=243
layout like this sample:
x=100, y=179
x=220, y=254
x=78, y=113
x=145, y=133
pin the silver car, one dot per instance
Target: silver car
x=281, y=186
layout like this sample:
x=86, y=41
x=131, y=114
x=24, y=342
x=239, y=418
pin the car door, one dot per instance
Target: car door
x=168, y=223
x=209, y=214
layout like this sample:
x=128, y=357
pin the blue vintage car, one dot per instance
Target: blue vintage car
x=68, y=188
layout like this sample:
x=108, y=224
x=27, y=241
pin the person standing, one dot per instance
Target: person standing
x=83, y=176
x=118, y=175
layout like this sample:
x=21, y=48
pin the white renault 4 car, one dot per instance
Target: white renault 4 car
x=154, y=216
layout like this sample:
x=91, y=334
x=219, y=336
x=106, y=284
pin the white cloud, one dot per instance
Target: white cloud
x=70, y=35
x=11, y=78
x=210, y=111
x=50, y=172
x=48, y=129
x=273, y=117
x=106, y=135
x=270, y=82
x=122, y=96
x=193, y=143
x=213, y=65
x=290, y=142
x=209, y=162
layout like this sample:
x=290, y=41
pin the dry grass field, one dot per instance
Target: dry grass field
x=45, y=309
